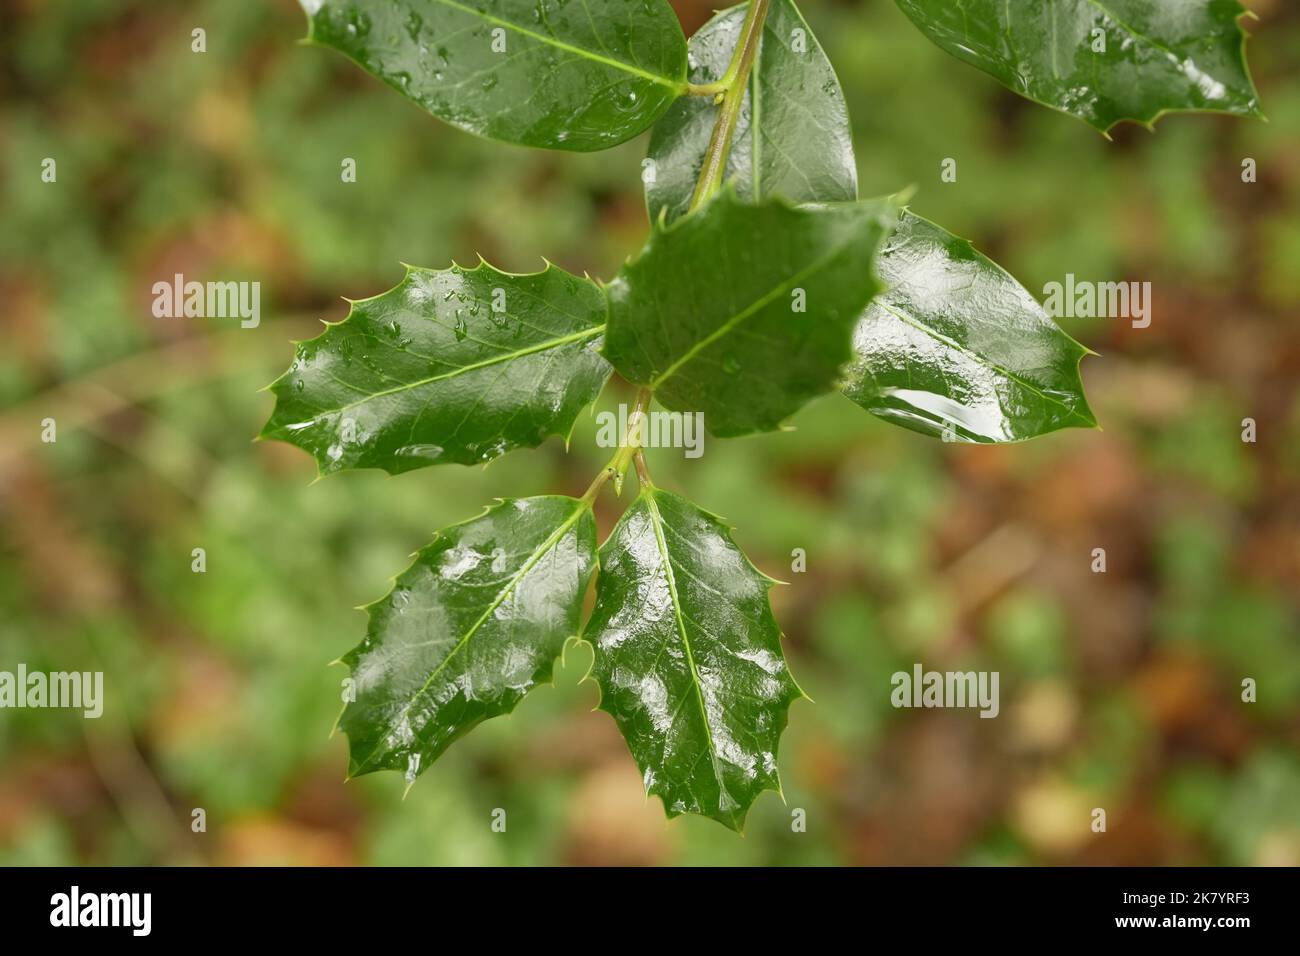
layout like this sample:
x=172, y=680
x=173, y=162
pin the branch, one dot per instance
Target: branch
x=734, y=84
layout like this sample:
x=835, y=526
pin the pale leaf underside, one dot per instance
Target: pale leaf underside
x=792, y=137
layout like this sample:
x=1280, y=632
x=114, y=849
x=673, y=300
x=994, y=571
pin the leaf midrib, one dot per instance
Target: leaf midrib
x=474, y=366
x=662, y=545
x=759, y=303
x=676, y=85
x=1132, y=30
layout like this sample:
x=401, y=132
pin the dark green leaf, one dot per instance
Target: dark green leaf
x=956, y=347
x=1159, y=55
x=688, y=658
x=560, y=74
x=796, y=143
x=457, y=365
x=709, y=314
x=469, y=628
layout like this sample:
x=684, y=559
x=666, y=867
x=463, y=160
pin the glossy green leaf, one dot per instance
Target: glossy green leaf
x=455, y=365
x=745, y=312
x=792, y=138
x=688, y=658
x=955, y=347
x=1103, y=61
x=561, y=74
x=470, y=627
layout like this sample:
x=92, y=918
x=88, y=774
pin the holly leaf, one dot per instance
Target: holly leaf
x=745, y=312
x=688, y=658
x=472, y=625
x=955, y=347
x=550, y=73
x=453, y=365
x=792, y=137
x=1103, y=61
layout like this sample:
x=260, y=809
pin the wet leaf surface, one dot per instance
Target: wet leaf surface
x=452, y=365
x=1103, y=62
x=688, y=658
x=469, y=628
x=792, y=138
x=955, y=347
x=574, y=75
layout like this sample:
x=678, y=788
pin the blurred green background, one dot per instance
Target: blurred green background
x=1119, y=690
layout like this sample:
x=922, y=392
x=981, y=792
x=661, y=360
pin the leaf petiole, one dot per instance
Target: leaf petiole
x=642, y=472
x=630, y=448
x=707, y=89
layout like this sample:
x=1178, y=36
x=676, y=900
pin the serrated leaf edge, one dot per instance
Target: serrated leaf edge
x=267, y=434
x=648, y=491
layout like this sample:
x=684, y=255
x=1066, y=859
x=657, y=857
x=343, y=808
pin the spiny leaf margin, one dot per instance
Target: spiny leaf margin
x=744, y=628
x=413, y=308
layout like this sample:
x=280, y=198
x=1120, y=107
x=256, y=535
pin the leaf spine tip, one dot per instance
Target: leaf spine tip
x=904, y=195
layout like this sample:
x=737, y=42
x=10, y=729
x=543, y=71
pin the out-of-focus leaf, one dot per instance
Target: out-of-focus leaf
x=745, y=311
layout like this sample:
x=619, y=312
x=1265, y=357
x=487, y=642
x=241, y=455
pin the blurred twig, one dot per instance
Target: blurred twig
x=79, y=402
x=991, y=565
